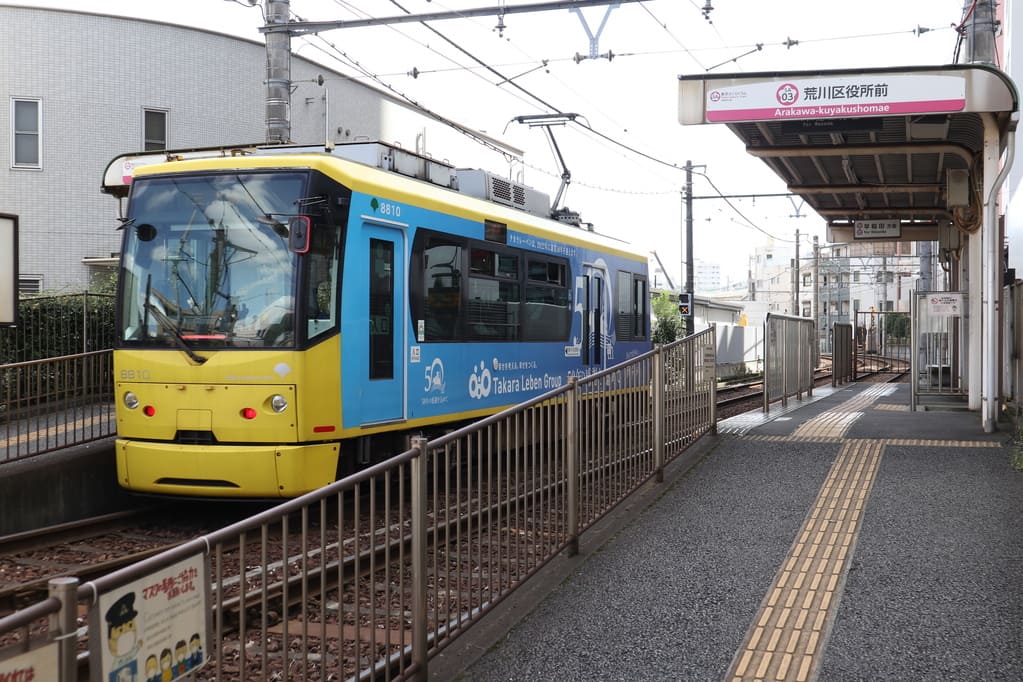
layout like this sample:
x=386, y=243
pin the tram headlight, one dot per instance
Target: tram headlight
x=278, y=403
x=131, y=401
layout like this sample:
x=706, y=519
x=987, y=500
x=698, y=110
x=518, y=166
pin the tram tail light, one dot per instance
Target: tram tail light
x=248, y=413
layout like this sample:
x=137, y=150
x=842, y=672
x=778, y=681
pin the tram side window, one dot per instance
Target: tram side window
x=442, y=289
x=465, y=289
x=494, y=297
x=321, y=282
x=631, y=310
x=547, y=310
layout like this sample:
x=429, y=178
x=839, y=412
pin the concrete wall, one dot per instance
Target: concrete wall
x=61, y=487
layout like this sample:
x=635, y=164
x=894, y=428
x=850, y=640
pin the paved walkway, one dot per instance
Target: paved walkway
x=848, y=539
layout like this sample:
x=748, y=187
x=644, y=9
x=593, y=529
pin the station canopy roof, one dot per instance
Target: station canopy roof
x=865, y=148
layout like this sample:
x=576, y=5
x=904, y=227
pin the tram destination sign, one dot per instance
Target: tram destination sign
x=877, y=229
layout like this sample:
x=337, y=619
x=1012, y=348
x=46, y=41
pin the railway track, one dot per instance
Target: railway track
x=91, y=547
x=273, y=579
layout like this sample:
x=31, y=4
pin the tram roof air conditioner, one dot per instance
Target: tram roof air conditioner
x=485, y=185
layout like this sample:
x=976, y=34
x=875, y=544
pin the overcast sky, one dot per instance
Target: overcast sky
x=630, y=98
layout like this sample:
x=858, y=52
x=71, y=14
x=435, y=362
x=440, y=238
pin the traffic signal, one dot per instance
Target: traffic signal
x=685, y=303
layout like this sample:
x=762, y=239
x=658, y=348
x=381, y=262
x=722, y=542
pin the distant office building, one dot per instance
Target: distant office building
x=706, y=276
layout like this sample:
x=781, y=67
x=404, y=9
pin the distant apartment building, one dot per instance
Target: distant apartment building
x=706, y=276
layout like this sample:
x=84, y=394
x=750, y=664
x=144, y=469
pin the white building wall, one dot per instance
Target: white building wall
x=94, y=75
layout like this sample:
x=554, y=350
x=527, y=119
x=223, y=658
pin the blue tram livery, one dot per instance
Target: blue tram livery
x=288, y=314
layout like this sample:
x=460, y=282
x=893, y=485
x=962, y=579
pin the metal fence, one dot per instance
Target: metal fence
x=883, y=342
x=47, y=405
x=56, y=374
x=843, y=355
x=51, y=326
x=789, y=358
x=372, y=576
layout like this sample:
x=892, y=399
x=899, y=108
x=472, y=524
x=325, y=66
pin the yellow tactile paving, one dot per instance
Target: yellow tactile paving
x=786, y=639
x=799, y=605
x=916, y=442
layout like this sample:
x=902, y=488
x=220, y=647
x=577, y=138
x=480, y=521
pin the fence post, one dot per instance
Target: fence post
x=658, y=398
x=419, y=617
x=811, y=366
x=65, y=622
x=784, y=363
x=767, y=363
x=714, y=383
x=572, y=465
x=85, y=322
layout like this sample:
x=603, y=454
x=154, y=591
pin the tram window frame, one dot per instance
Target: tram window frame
x=495, y=267
x=546, y=299
x=447, y=328
x=497, y=273
x=631, y=307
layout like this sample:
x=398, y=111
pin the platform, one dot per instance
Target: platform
x=843, y=538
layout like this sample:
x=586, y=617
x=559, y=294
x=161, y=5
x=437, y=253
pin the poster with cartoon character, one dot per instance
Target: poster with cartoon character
x=153, y=629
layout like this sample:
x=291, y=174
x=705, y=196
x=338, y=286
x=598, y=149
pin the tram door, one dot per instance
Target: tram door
x=383, y=391
x=595, y=302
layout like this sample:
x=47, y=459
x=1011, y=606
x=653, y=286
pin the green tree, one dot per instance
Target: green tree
x=897, y=326
x=668, y=326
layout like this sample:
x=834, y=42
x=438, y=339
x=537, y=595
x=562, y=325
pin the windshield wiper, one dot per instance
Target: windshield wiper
x=162, y=318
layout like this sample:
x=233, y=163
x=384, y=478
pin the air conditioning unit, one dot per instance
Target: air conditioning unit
x=485, y=185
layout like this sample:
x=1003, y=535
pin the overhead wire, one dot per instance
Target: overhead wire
x=585, y=125
x=548, y=105
x=673, y=36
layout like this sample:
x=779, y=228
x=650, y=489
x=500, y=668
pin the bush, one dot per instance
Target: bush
x=51, y=326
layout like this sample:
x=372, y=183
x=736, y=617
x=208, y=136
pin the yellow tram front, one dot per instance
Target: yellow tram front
x=227, y=366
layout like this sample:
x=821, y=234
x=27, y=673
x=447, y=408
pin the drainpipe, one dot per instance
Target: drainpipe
x=991, y=271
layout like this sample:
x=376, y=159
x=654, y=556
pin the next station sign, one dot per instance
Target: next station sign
x=877, y=229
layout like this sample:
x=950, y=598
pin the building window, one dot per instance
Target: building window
x=30, y=284
x=154, y=129
x=26, y=133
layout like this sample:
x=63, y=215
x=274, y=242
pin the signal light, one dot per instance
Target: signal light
x=249, y=413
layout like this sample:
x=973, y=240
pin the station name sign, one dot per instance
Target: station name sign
x=877, y=229
x=836, y=97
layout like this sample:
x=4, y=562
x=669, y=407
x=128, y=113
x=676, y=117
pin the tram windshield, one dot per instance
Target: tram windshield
x=206, y=262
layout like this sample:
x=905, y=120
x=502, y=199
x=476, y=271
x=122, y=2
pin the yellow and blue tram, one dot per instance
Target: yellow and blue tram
x=287, y=315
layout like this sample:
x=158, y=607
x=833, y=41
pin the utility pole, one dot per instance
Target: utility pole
x=980, y=31
x=278, y=72
x=279, y=30
x=817, y=290
x=884, y=284
x=795, y=280
x=687, y=320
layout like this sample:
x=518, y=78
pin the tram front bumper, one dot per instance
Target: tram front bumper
x=255, y=471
